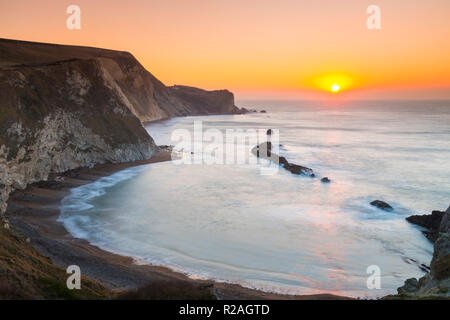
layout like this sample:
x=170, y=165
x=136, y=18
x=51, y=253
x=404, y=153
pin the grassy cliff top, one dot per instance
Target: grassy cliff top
x=16, y=52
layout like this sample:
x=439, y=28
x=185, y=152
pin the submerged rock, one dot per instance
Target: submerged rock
x=325, y=180
x=382, y=205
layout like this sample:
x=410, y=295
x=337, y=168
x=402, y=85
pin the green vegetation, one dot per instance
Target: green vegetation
x=26, y=274
x=170, y=290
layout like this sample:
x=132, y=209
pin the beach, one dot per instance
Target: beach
x=129, y=224
x=35, y=210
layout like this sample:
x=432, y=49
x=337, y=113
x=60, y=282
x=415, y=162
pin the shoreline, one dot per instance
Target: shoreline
x=35, y=211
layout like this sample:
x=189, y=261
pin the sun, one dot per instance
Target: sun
x=335, y=87
x=333, y=82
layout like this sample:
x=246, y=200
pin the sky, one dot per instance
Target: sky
x=265, y=49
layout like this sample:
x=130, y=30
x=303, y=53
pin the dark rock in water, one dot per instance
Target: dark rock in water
x=282, y=161
x=269, y=132
x=411, y=285
x=312, y=175
x=429, y=221
x=264, y=150
x=263, y=111
x=325, y=180
x=432, y=222
x=296, y=169
x=424, y=267
x=382, y=205
x=421, y=266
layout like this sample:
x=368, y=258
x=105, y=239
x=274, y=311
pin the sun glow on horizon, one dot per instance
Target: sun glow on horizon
x=335, y=87
x=333, y=82
x=304, y=51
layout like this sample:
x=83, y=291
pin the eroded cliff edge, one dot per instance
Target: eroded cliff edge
x=64, y=107
x=436, y=283
x=62, y=116
x=147, y=97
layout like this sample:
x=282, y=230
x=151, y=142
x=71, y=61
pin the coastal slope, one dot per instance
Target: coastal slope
x=60, y=116
x=147, y=97
x=65, y=107
x=435, y=283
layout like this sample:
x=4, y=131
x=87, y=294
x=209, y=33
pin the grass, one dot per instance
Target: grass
x=170, y=290
x=27, y=274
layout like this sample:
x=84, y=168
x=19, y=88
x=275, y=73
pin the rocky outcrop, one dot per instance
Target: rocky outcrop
x=444, y=227
x=64, y=107
x=60, y=116
x=147, y=97
x=264, y=150
x=431, y=222
x=382, y=205
x=203, y=102
x=437, y=282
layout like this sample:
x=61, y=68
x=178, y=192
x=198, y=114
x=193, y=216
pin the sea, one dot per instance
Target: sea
x=279, y=232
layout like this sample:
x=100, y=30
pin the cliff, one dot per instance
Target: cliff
x=147, y=97
x=201, y=102
x=436, y=283
x=64, y=107
x=60, y=116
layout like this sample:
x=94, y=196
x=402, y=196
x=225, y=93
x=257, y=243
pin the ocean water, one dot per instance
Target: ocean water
x=284, y=233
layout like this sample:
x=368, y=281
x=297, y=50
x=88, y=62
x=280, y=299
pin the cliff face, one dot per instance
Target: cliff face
x=147, y=97
x=60, y=116
x=64, y=107
x=201, y=102
x=437, y=281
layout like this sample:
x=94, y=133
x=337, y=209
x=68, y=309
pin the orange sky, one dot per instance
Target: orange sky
x=260, y=49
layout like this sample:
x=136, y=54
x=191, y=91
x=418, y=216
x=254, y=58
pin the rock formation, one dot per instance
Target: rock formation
x=202, y=102
x=382, y=205
x=60, y=116
x=64, y=107
x=437, y=281
x=264, y=150
x=431, y=222
x=147, y=97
